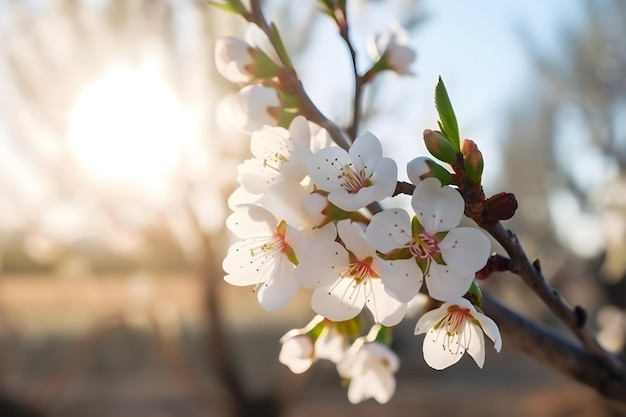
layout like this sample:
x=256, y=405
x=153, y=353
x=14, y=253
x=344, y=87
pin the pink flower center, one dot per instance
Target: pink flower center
x=352, y=181
x=455, y=319
x=424, y=246
x=361, y=269
x=452, y=328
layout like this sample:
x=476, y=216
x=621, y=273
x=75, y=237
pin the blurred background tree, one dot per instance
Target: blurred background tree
x=565, y=159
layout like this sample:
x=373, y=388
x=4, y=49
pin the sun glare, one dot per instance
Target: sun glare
x=127, y=126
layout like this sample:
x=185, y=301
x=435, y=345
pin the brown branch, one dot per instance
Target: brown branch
x=573, y=318
x=341, y=18
x=557, y=352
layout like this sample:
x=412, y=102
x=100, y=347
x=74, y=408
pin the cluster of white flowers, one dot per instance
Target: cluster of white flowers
x=298, y=216
x=301, y=220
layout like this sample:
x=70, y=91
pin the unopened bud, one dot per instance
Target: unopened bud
x=473, y=160
x=501, y=206
x=239, y=62
x=495, y=263
x=392, y=51
x=423, y=167
x=439, y=146
x=256, y=106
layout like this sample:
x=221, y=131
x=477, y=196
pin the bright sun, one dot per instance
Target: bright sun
x=128, y=126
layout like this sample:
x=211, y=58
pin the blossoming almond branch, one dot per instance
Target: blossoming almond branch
x=308, y=214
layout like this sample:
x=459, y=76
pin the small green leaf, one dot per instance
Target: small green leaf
x=447, y=123
x=280, y=46
x=231, y=6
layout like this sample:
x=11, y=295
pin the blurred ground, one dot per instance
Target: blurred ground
x=133, y=346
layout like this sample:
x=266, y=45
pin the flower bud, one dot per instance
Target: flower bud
x=439, y=146
x=239, y=62
x=495, y=263
x=423, y=167
x=392, y=51
x=473, y=161
x=501, y=206
x=256, y=106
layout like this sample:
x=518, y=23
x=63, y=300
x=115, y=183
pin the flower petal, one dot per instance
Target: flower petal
x=476, y=343
x=437, y=208
x=437, y=352
x=251, y=221
x=324, y=165
x=491, y=329
x=390, y=229
x=354, y=239
x=323, y=265
x=280, y=289
x=406, y=280
x=429, y=319
x=386, y=310
x=466, y=249
x=365, y=153
x=271, y=144
x=385, y=177
x=297, y=353
x=444, y=283
x=342, y=301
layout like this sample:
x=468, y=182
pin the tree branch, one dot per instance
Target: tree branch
x=573, y=318
x=557, y=352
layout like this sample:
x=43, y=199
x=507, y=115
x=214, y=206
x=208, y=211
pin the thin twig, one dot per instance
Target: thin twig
x=292, y=81
x=344, y=32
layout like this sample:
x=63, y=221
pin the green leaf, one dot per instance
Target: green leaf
x=447, y=123
x=231, y=6
x=280, y=46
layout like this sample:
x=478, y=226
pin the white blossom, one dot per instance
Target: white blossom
x=370, y=366
x=347, y=279
x=453, y=329
x=296, y=352
x=264, y=257
x=355, y=178
x=255, y=106
x=278, y=154
x=393, y=48
x=447, y=256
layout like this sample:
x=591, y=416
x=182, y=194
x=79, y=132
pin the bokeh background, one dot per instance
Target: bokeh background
x=115, y=168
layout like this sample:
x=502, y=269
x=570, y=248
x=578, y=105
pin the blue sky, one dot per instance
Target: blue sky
x=475, y=45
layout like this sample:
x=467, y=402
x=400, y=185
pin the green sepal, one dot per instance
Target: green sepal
x=400, y=253
x=332, y=213
x=416, y=226
x=328, y=7
x=315, y=327
x=439, y=146
x=280, y=46
x=264, y=66
x=474, y=295
x=281, y=229
x=384, y=336
x=351, y=328
x=448, y=123
x=444, y=176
